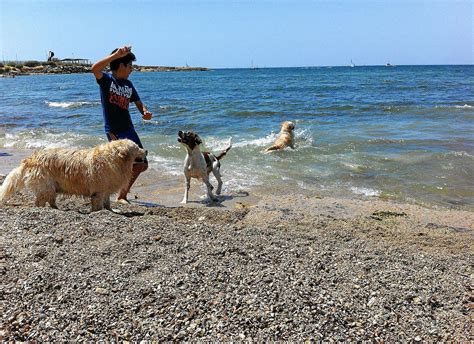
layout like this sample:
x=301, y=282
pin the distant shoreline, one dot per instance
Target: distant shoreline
x=39, y=68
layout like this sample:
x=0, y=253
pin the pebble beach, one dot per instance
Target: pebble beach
x=247, y=269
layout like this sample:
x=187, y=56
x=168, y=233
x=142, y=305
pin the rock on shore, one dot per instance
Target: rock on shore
x=268, y=272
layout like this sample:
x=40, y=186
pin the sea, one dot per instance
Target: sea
x=402, y=133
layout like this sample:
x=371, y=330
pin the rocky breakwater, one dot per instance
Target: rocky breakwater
x=12, y=70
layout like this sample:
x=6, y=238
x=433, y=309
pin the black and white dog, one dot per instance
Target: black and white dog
x=200, y=164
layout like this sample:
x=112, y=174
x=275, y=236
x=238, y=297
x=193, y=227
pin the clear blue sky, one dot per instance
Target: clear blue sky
x=220, y=34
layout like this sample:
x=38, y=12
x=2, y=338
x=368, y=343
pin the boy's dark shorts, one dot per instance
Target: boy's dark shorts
x=130, y=134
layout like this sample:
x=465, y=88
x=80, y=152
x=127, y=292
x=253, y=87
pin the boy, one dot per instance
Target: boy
x=116, y=92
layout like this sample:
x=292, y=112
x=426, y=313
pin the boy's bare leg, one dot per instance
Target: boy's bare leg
x=137, y=169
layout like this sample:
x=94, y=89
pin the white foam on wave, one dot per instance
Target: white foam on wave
x=303, y=138
x=40, y=140
x=168, y=166
x=465, y=106
x=70, y=105
x=167, y=107
x=238, y=181
x=353, y=166
x=365, y=191
x=460, y=154
x=217, y=144
x=259, y=142
x=234, y=178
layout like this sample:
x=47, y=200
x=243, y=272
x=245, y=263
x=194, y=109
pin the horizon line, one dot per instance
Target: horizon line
x=269, y=67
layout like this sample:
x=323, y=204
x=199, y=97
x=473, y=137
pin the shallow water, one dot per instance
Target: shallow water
x=401, y=133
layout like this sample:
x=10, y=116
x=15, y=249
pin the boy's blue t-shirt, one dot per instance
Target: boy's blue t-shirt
x=115, y=95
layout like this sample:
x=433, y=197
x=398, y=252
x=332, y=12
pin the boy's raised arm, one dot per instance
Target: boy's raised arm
x=99, y=66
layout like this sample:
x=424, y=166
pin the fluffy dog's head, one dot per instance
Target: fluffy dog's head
x=287, y=126
x=129, y=150
x=189, y=139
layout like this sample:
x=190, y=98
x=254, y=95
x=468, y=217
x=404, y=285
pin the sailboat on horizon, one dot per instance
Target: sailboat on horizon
x=352, y=64
x=252, y=66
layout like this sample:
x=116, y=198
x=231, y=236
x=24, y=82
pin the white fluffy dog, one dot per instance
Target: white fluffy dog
x=96, y=173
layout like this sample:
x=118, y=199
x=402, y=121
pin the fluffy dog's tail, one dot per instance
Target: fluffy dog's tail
x=224, y=152
x=13, y=182
x=271, y=149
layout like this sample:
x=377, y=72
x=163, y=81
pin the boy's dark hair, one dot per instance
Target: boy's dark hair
x=114, y=65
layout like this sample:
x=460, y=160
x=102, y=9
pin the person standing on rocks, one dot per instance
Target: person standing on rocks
x=116, y=92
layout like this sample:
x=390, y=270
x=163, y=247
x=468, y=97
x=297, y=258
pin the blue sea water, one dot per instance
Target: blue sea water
x=403, y=133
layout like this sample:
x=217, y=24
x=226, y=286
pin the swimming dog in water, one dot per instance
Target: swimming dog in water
x=199, y=164
x=286, y=138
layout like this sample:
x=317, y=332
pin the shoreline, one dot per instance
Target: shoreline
x=156, y=189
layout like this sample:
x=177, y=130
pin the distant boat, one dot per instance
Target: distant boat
x=252, y=66
x=352, y=64
x=389, y=65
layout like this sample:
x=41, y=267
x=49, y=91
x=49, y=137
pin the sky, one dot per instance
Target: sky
x=239, y=34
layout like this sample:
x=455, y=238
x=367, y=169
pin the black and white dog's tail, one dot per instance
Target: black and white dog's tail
x=224, y=152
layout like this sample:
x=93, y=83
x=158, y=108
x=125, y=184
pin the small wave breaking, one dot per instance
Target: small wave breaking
x=70, y=105
x=41, y=139
x=169, y=166
x=365, y=191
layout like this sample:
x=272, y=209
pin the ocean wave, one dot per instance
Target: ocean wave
x=70, y=105
x=238, y=178
x=418, y=109
x=40, y=139
x=365, y=191
x=252, y=113
x=337, y=108
x=303, y=138
x=354, y=167
x=217, y=144
x=164, y=109
x=395, y=108
x=384, y=141
x=259, y=142
x=458, y=154
x=166, y=165
x=454, y=106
